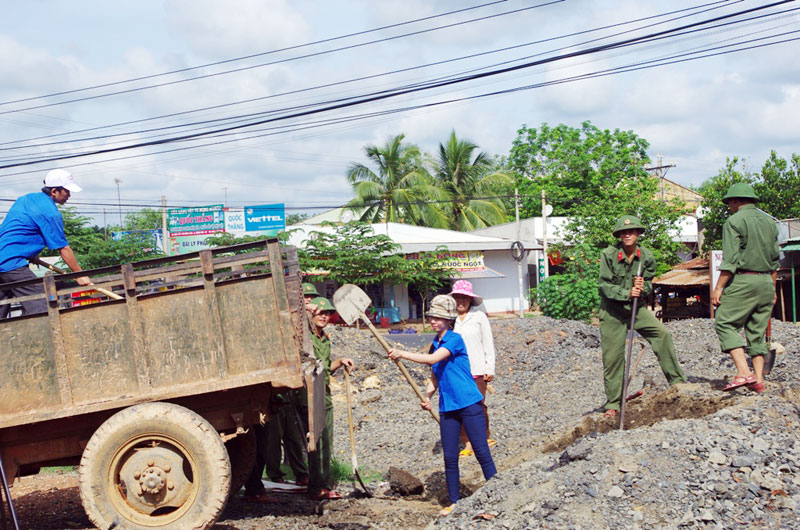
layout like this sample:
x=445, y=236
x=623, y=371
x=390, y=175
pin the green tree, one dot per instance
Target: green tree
x=82, y=237
x=592, y=221
x=714, y=210
x=144, y=219
x=353, y=253
x=128, y=248
x=397, y=189
x=468, y=182
x=778, y=186
x=572, y=165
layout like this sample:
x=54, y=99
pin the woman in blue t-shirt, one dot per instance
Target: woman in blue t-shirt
x=459, y=397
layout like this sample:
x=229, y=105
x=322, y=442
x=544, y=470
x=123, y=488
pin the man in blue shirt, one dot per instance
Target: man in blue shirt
x=33, y=223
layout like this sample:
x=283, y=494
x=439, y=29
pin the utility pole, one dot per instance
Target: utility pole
x=544, y=233
x=519, y=261
x=105, y=226
x=660, y=171
x=119, y=201
x=164, y=231
x=226, y=196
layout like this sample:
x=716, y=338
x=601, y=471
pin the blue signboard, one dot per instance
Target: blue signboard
x=265, y=217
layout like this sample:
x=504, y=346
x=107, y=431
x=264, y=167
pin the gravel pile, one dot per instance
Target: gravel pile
x=695, y=456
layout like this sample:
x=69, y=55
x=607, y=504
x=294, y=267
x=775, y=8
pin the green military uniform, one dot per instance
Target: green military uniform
x=284, y=425
x=319, y=461
x=750, y=253
x=615, y=283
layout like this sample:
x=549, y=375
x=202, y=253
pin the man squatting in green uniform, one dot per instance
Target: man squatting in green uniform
x=618, y=285
x=319, y=461
x=745, y=291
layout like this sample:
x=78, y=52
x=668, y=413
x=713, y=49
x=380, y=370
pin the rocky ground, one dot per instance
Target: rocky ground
x=692, y=456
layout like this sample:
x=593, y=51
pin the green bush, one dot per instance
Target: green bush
x=568, y=296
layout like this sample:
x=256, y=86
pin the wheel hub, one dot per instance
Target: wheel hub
x=155, y=477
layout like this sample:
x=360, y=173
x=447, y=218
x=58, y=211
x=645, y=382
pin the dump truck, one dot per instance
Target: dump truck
x=152, y=388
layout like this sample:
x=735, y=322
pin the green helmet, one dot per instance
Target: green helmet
x=309, y=290
x=627, y=222
x=740, y=190
x=323, y=304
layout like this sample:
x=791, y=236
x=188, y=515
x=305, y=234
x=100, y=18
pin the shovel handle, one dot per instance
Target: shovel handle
x=57, y=270
x=353, y=459
x=402, y=368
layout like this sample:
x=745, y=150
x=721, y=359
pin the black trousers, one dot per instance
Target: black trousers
x=29, y=307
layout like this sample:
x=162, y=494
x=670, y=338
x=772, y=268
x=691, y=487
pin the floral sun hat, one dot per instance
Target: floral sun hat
x=465, y=287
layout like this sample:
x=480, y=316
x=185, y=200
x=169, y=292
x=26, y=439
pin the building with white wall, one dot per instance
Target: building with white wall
x=492, y=269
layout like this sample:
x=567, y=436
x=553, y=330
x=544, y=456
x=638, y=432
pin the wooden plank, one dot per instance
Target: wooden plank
x=282, y=303
x=59, y=355
x=135, y=329
x=212, y=304
x=315, y=385
x=98, y=349
x=30, y=381
x=178, y=338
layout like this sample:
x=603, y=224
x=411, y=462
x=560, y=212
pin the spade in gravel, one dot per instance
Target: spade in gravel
x=350, y=302
x=354, y=460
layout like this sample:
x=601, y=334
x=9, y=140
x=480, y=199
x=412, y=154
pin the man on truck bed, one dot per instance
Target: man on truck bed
x=32, y=223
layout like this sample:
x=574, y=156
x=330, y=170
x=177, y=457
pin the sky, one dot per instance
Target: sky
x=306, y=56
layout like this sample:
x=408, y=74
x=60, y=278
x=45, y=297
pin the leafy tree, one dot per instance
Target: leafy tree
x=778, y=186
x=425, y=275
x=295, y=218
x=569, y=296
x=144, y=219
x=572, y=165
x=397, y=189
x=715, y=212
x=592, y=222
x=353, y=253
x=81, y=236
x=130, y=247
x=463, y=176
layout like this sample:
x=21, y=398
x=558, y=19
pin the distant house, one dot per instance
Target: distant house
x=668, y=190
x=487, y=262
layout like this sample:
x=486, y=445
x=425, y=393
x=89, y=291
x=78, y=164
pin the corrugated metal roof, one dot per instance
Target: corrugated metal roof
x=696, y=263
x=683, y=277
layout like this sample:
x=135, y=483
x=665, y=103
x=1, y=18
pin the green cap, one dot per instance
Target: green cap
x=740, y=190
x=323, y=304
x=309, y=290
x=627, y=222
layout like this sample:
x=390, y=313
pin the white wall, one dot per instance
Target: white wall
x=502, y=294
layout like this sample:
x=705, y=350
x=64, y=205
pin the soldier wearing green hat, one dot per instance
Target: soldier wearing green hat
x=745, y=291
x=619, y=284
x=319, y=461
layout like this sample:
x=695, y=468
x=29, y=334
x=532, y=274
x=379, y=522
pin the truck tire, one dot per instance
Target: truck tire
x=242, y=453
x=154, y=465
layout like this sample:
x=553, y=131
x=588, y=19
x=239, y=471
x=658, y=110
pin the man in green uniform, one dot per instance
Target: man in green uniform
x=745, y=291
x=319, y=461
x=309, y=293
x=619, y=285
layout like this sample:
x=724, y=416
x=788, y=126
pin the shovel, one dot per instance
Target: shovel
x=772, y=350
x=633, y=372
x=354, y=460
x=57, y=270
x=628, y=356
x=350, y=302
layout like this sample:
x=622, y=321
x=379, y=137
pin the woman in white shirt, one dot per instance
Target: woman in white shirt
x=473, y=326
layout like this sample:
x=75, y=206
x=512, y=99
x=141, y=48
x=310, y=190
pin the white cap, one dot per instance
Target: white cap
x=61, y=178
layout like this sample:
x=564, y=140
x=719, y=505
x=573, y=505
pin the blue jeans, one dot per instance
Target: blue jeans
x=474, y=422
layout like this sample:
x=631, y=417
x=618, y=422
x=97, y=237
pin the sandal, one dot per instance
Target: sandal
x=466, y=452
x=610, y=413
x=757, y=387
x=446, y=510
x=263, y=498
x=738, y=381
x=325, y=494
x=490, y=442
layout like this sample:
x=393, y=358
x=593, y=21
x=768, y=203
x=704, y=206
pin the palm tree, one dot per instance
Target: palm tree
x=397, y=191
x=470, y=185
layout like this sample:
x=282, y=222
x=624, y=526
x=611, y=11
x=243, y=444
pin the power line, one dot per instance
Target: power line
x=385, y=94
x=359, y=79
x=279, y=61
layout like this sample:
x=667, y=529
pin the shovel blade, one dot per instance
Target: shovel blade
x=350, y=302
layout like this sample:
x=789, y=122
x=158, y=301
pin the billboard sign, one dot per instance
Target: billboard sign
x=268, y=219
x=196, y=221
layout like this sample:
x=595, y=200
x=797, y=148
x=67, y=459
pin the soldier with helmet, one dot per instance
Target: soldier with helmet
x=745, y=291
x=619, y=284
